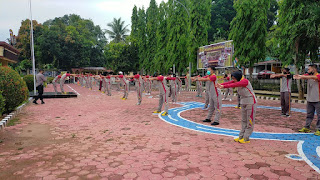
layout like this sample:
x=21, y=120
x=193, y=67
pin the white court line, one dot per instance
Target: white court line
x=172, y=118
x=216, y=130
x=73, y=90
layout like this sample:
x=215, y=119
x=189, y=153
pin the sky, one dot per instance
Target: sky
x=101, y=12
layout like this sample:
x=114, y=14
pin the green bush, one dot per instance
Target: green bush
x=2, y=104
x=29, y=80
x=13, y=87
x=49, y=80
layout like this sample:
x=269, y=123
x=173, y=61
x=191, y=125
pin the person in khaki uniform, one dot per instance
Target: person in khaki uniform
x=122, y=80
x=313, y=98
x=108, y=85
x=207, y=94
x=55, y=82
x=164, y=95
x=62, y=81
x=285, y=90
x=139, y=86
x=199, y=87
x=248, y=103
x=186, y=82
x=228, y=91
x=147, y=85
x=214, y=96
x=173, y=88
x=179, y=82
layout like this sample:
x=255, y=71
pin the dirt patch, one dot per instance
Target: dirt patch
x=30, y=135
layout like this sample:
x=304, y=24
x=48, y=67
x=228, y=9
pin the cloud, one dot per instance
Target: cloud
x=100, y=12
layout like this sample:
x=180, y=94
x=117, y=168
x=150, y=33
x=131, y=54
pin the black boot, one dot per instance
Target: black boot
x=35, y=102
x=215, y=123
x=206, y=120
x=42, y=102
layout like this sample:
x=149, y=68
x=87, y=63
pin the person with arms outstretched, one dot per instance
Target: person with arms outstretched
x=248, y=103
x=313, y=98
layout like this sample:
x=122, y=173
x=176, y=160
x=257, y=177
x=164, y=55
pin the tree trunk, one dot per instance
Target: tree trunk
x=296, y=60
x=250, y=73
x=299, y=84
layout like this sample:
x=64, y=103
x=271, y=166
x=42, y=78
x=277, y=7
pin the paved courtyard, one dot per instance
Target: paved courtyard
x=96, y=136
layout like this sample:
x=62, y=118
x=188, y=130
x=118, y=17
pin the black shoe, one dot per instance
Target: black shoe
x=287, y=115
x=35, y=102
x=283, y=115
x=206, y=120
x=214, y=123
x=42, y=102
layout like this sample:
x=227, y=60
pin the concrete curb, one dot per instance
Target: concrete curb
x=4, y=122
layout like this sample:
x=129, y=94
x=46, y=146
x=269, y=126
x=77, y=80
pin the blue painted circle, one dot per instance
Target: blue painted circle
x=309, y=141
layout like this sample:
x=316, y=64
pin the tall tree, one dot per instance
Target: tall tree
x=134, y=23
x=200, y=24
x=119, y=57
x=71, y=41
x=178, y=34
x=118, y=30
x=152, y=24
x=134, y=48
x=162, y=39
x=23, y=38
x=299, y=24
x=222, y=13
x=249, y=30
x=142, y=44
x=272, y=13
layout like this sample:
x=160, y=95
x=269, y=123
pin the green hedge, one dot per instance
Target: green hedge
x=13, y=87
x=49, y=80
x=29, y=80
x=275, y=87
x=2, y=104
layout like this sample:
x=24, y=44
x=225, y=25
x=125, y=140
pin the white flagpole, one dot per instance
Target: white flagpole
x=32, y=54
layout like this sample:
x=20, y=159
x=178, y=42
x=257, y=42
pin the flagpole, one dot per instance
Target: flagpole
x=32, y=54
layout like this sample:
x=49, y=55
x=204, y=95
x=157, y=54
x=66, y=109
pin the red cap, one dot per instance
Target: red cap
x=59, y=76
x=147, y=76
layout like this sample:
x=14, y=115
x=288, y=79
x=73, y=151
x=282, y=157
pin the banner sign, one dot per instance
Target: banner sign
x=219, y=55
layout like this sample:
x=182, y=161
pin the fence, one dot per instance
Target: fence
x=273, y=85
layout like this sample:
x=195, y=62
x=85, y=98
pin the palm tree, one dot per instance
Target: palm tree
x=118, y=30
